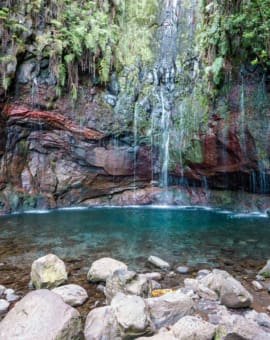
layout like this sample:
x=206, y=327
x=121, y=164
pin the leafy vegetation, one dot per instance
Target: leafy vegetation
x=97, y=36
x=232, y=33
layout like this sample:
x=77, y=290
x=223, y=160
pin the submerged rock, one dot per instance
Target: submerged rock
x=158, y=262
x=192, y=327
x=265, y=272
x=48, y=272
x=101, y=269
x=41, y=315
x=169, y=308
x=127, y=282
x=73, y=295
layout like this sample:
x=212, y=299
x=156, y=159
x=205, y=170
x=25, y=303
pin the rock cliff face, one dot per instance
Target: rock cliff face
x=148, y=128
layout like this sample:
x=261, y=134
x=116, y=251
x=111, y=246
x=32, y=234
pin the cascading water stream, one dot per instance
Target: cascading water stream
x=165, y=87
x=165, y=126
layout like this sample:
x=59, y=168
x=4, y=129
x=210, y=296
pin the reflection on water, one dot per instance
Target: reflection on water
x=180, y=236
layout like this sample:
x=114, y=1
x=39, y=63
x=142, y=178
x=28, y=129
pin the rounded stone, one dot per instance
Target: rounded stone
x=48, y=272
x=182, y=269
x=103, y=268
x=4, y=305
x=72, y=294
x=41, y=315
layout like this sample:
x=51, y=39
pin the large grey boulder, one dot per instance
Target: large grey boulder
x=230, y=291
x=132, y=316
x=101, y=269
x=73, y=295
x=101, y=324
x=265, y=272
x=127, y=282
x=234, y=295
x=48, y=272
x=169, y=308
x=41, y=315
x=234, y=327
x=193, y=328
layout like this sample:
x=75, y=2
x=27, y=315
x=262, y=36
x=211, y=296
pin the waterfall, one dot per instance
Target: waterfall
x=165, y=125
x=163, y=106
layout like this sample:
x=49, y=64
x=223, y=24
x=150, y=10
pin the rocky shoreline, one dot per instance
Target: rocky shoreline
x=114, y=302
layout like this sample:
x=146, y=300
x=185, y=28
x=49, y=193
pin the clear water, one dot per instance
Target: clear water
x=181, y=236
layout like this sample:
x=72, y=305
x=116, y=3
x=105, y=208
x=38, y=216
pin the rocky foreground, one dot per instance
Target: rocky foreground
x=212, y=305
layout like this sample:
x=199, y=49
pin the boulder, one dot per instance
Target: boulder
x=132, y=316
x=101, y=269
x=193, y=328
x=101, y=324
x=231, y=292
x=127, y=282
x=235, y=327
x=41, y=315
x=158, y=262
x=234, y=295
x=48, y=272
x=4, y=305
x=265, y=272
x=73, y=295
x=169, y=308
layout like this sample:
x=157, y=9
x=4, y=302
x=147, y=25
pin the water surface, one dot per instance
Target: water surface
x=181, y=236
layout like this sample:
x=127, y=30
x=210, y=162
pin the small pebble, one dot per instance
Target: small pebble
x=153, y=276
x=9, y=291
x=203, y=272
x=182, y=269
x=260, y=278
x=4, y=306
x=100, y=288
x=12, y=297
x=257, y=285
x=155, y=284
x=171, y=274
x=2, y=289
